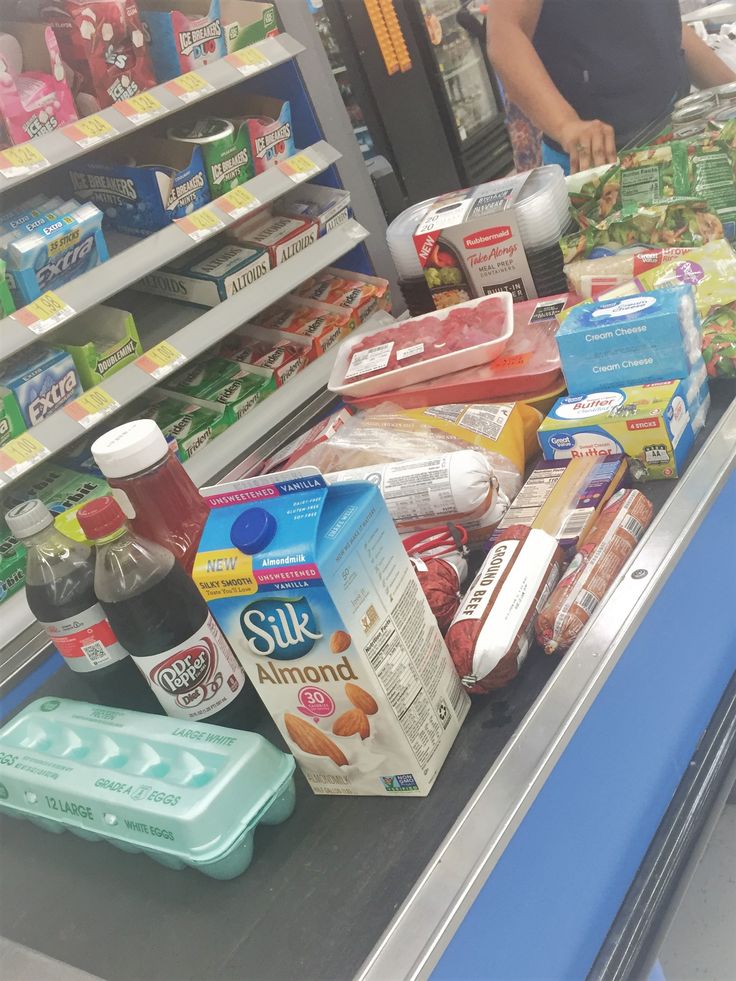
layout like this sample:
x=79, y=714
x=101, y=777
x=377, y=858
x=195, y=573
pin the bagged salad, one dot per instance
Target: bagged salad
x=719, y=342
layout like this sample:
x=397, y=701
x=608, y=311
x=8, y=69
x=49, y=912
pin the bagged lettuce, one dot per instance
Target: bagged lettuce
x=719, y=342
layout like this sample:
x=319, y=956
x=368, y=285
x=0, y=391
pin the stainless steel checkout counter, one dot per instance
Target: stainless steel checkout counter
x=555, y=802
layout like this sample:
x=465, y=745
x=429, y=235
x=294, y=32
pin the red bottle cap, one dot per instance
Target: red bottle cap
x=100, y=518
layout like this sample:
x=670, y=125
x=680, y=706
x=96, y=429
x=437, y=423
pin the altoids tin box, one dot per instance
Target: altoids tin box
x=182, y=793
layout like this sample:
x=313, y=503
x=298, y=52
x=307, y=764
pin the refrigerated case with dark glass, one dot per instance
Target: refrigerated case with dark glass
x=439, y=120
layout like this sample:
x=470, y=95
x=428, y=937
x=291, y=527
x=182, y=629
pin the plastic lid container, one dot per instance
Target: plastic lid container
x=530, y=364
x=28, y=518
x=423, y=348
x=130, y=448
x=400, y=239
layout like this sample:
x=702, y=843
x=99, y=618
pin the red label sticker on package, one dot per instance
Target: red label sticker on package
x=86, y=641
x=43, y=314
x=189, y=87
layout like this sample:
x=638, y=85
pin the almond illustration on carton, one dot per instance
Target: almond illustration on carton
x=311, y=740
x=352, y=721
x=340, y=641
x=361, y=699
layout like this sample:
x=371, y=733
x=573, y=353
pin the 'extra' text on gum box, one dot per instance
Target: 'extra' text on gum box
x=318, y=598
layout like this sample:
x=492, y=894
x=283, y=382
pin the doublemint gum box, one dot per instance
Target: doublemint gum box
x=318, y=598
x=101, y=342
x=650, y=423
x=208, y=276
x=630, y=340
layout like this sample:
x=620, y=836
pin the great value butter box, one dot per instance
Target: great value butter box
x=650, y=423
x=209, y=275
x=323, y=609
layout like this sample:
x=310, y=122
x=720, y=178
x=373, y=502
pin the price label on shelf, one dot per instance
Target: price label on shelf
x=43, y=314
x=238, y=202
x=19, y=455
x=92, y=407
x=161, y=360
x=248, y=61
x=189, y=87
x=90, y=131
x=21, y=160
x=140, y=108
x=200, y=224
x=299, y=167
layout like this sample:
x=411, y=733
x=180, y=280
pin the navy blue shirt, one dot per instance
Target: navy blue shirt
x=620, y=61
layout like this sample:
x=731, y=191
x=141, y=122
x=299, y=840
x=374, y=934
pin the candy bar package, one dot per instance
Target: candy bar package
x=42, y=381
x=183, y=37
x=38, y=99
x=56, y=252
x=208, y=275
x=144, y=188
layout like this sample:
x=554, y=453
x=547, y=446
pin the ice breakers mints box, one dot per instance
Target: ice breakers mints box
x=159, y=180
x=208, y=276
x=56, y=253
x=631, y=340
x=328, y=206
x=183, y=38
x=41, y=381
x=651, y=424
x=283, y=238
x=204, y=789
x=318, y=598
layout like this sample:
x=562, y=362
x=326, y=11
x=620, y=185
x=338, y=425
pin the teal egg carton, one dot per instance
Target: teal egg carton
x=184, y=793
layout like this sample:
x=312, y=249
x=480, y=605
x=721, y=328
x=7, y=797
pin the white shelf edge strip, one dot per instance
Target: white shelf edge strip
x=60, y=430
x=102, y=282
x=58, y=148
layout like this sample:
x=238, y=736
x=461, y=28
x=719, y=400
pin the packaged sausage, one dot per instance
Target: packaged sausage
x=612, y=540
x=490, y=634
x=458, y=486
x=440, y=580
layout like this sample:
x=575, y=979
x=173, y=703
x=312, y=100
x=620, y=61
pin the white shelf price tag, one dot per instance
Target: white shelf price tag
x=19, y=455
x=92, y=407
x=161, y=360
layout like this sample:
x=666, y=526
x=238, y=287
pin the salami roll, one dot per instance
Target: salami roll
x=612, y=539
x=492, y=630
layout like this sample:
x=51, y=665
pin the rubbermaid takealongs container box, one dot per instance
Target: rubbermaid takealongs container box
x=184, y=793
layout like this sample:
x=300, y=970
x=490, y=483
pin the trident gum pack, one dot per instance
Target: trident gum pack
x=318, y=598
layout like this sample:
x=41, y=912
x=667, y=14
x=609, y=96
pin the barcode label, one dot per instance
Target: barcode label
x=574, y=523
x=457, y=694
x=96, y=653
x=587, y=601
x=633, y=526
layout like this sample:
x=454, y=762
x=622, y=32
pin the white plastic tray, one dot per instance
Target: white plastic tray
x=421, y=370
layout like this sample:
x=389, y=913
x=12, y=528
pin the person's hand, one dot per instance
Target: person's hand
x=588, y=142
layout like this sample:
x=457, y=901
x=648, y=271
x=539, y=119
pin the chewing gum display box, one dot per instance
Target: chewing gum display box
x=22, y=225
x=56, y=252
x=7, y=304
x=12, y=563
x=328, y=206
x=469, y=244
x=355, y=674
x=281, y=237
x=38, y=100
x=564, y=497
x=101, y=341
x=11, y=418
x=191, y=423
x=322, y=324
x=209, y=275
x=41, y=380
x=269, y=124
x=184, y=38
x=650, y=423
x=631, y=340
x=240, y=393
x=167, y=180
x=280, y=353
x=245, y=22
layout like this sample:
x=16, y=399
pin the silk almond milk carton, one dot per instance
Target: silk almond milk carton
x=316, y=594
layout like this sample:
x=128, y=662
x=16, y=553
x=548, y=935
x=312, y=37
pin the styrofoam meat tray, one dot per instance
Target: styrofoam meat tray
x=184, y=793
x=406, y=341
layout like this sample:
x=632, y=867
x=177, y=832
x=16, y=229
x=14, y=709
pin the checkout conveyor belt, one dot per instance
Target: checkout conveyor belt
x=378, y=888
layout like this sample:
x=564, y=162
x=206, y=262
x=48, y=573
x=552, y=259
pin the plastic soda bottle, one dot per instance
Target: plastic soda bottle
x=162, y=619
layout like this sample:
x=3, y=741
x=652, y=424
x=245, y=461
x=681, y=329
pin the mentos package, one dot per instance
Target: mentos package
x=282, y=238
x=191, y=423
x=356, y=676
x=167, y=181
x=283, y=354
x=328, y=206
x=208, y=275
x=56, y=253
x=651, y=424
x=41, y=381
x=631, y=340
x=185, y=38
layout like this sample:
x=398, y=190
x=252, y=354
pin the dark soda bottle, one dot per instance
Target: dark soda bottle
x=60, y=593
x=161, y=618
x=164, y=504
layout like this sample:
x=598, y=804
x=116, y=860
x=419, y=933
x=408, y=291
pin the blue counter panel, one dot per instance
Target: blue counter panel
x=549, y=902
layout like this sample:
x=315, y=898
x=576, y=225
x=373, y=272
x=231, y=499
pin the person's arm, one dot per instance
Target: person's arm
x=511, y=26
x=705, y=67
